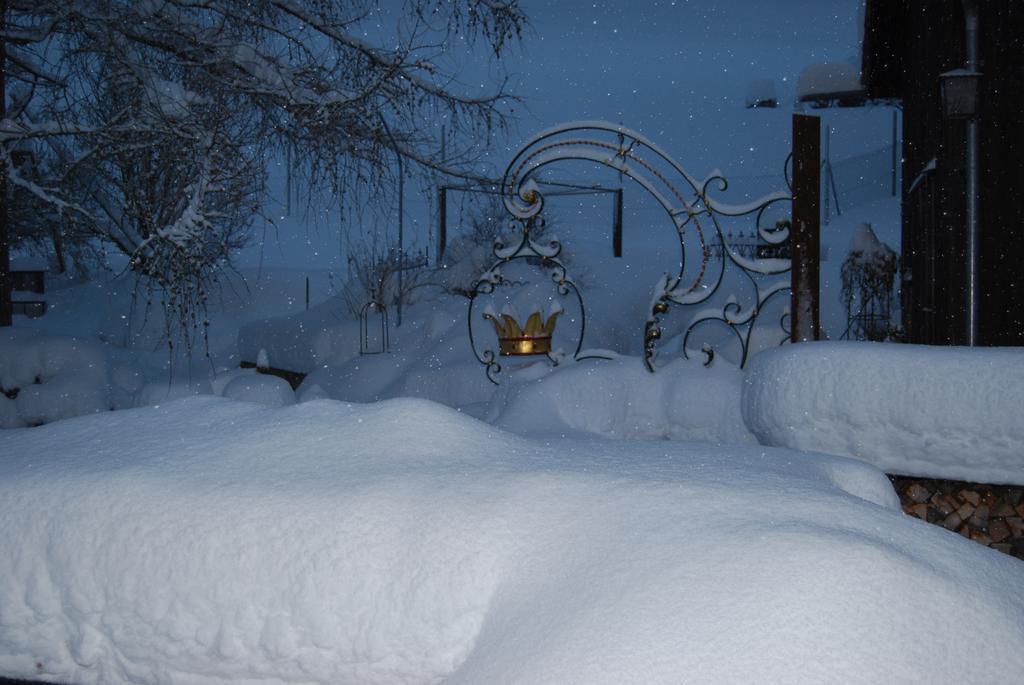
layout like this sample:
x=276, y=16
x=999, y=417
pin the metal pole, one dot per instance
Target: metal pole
x=973, y=204
x=288, y=180
x=401, y=219
x=442, y=207
x=828, y=172
x=617, y=224
x=895, y=159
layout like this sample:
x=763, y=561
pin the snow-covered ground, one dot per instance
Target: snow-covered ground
x=215, y=541
x=590, y=522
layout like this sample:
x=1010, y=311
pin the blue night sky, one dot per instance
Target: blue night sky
x=651, y=59
x=676, y=71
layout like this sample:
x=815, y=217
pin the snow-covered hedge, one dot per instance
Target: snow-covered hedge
x=941, y=412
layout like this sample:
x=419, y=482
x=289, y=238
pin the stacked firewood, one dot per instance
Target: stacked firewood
x=992, y=515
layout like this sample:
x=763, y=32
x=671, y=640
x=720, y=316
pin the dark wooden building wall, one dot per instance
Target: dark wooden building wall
x=908, y=43
x=1002, y=136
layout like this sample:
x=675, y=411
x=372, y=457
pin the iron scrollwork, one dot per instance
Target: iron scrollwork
x=689, y=204
x=769, y=258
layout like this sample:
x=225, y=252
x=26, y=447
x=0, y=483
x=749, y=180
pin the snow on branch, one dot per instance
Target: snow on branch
x=50, y=196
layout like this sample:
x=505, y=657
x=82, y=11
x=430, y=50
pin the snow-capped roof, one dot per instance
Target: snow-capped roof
x=834, y=82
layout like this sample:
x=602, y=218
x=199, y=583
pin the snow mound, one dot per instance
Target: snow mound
x=47, y=378
x=865, y=246
x=262, y=388
x=300, y=341
x=156, y=392
x=940, y=412
x=405, y=542
x=431, y=359
x=620, y=399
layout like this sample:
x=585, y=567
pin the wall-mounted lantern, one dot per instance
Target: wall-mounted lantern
x=960, y=89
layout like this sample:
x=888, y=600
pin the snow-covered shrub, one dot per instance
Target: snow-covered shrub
x=761, y=93
x=471, y=252
x=48, y=378
x=152, y=128
x=383, y=274
x=868, y=275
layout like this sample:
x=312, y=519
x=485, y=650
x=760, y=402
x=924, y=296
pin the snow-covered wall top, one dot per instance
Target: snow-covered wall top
x=941, y=412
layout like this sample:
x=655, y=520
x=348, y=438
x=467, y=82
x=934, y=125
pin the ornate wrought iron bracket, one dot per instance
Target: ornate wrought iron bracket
x=532, y=336
x=689, y=205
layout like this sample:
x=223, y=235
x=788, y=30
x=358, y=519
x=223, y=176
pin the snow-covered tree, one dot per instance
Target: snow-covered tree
x=151, y=120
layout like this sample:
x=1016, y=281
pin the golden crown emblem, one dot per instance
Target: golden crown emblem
x=516, y=340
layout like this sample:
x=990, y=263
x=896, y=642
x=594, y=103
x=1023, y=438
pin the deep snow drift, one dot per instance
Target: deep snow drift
x=216, y=541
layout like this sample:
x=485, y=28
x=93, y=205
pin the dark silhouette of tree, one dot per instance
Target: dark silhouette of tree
x=150, y=122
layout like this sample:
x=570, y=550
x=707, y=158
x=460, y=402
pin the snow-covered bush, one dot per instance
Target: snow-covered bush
x=261, y=388
x=471, y=251
x=868, y=277
x=761, y=93
x=47, y=378
x=383, y=274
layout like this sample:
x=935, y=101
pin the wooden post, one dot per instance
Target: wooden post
x=806, y=228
